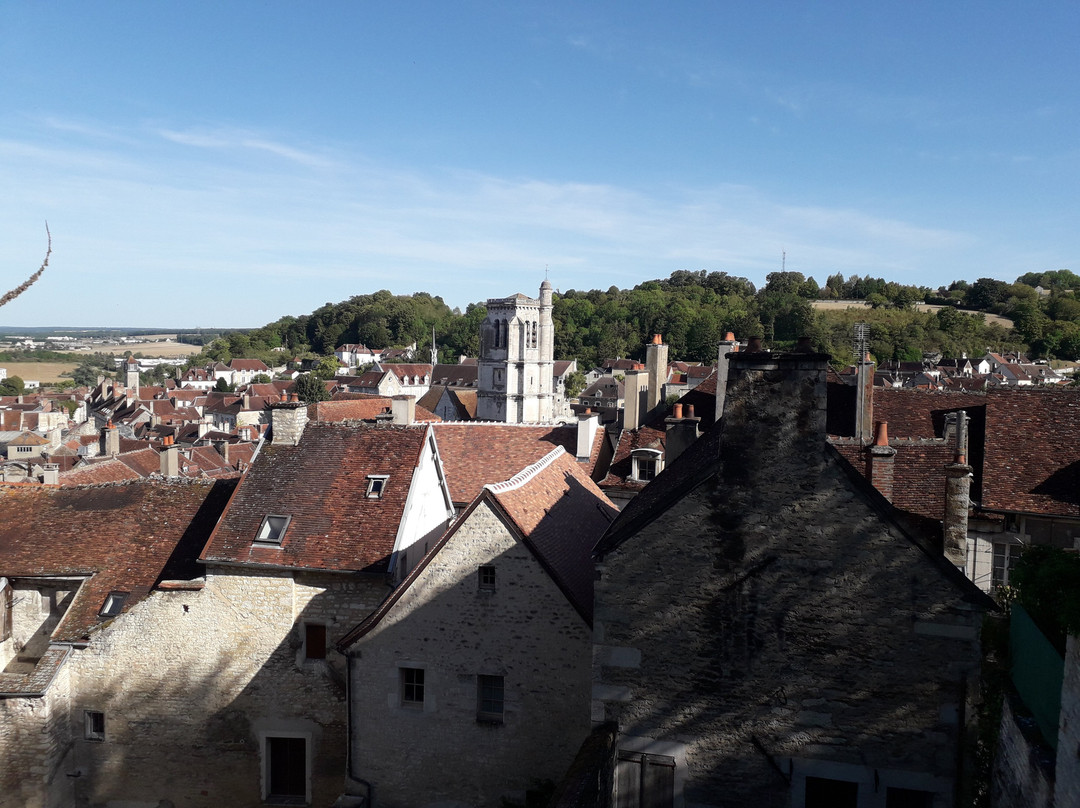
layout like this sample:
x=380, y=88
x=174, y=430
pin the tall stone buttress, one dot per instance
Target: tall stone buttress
x=517, y=346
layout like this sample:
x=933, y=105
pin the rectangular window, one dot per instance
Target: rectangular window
x=94, y=725
x=314, y=641
x=489, y=699
x=644, y=781
x=486, y=581
x=1005, y=556
x=286, y=770
x=272, y=530
x=412, y=687
x=645, y=468
x=821, y=792
x=376, y=485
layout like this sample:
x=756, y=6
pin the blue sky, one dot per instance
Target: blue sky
x=225, y=164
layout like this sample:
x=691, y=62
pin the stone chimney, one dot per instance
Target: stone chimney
x=170, y=459
x=656, y=365
x=287, y=420
x=111, y=440
x=403, y=409
x=864, y=399
x=679, y=432
x=587, y=426
x=957, y=497
x=635, y=398
x=879, y=462
x=727, y=345
x=50, y=474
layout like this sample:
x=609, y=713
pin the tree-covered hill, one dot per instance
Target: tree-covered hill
x=693, y=311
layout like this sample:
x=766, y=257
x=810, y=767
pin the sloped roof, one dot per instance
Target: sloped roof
x=256, y=365
x=462, y=375
x=402, y=370
x=124, y=538
x=95, y=471
x=557, y=512
x=321, y=485
x=475, y=454
x=621, y=468
x=1032, y=458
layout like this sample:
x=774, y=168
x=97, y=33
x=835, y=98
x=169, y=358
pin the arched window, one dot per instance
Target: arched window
x=505, y=334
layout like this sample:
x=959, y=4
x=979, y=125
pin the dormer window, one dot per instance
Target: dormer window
x=113, y=604
x=376, y=485
x=272, y=530
x=646, y=464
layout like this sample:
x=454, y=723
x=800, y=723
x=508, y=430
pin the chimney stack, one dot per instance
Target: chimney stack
x=50, y=474
x=170, y=459
x=864, y=399
x=404, y=409
x=679, y=433
x=879, y=462
x=112, y=439
x=727, y=345
x=587, y=426
x=957, y=498
x=287, y=420
x=656, y=365
x=635, y=398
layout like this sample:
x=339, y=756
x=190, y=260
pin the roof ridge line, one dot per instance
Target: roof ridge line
x=527, y=473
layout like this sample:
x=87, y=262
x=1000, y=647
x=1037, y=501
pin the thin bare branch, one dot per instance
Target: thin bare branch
x=18, y=290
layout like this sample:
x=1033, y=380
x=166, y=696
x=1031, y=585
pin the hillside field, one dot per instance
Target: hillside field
x=840, y=305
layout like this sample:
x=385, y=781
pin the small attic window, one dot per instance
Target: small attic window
x=113, y=604
x=272, y=529
x=647, y=463
x=376, y=485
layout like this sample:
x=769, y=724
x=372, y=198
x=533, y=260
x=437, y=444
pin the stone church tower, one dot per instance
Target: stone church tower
x=517, y=346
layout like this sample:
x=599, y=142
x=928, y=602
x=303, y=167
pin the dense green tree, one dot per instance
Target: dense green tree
x=310, y=388
x=12, y=386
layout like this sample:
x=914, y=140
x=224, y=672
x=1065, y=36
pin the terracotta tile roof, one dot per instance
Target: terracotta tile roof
x=240, y=454
x=562, y=514
x=143, y=462
x=401, y=370
x=320, y=484
x=360, y=407
x=621, y=469
x=918, y=473
x=919, y=413
x=29, y=439
x=256, y=365
x=1033, y=451
x=125, y=538
x=96, y=471
x=475, y=454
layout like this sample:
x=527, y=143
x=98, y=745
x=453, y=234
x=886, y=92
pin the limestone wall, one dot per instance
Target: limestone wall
x=524, y=630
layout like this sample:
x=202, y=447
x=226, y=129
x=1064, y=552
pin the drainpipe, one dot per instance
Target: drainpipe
x=349, y=729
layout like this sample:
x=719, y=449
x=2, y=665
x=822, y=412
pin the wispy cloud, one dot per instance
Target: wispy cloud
x=226, y=139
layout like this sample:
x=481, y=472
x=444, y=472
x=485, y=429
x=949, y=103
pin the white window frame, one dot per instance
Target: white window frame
x=376, y=485
x=114, y=604
x=648, y=455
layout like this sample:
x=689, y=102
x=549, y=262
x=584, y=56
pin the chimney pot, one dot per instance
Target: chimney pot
x=295, y=397
x=881, y=438
x=729, y=336
x=689, y=410
x=678, y=411
x=753, y=345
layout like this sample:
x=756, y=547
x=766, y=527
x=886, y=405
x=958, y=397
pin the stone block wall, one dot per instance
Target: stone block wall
x=1023, y=772
x=770, y=625
x=1067, y=781
x=191, y=683
x=35, y=746
x=525, y=631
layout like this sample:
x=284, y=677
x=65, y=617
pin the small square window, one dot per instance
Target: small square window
x=412, y=687
x=272, y=529
x=314, y=641
x=489, y=699
x=376, y=485
x=486, y=579
x=94, y=725
x=114, y=603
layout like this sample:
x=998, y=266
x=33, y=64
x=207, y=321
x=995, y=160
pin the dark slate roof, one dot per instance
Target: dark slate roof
x=462, y=375
x=320, y=484
x=125, y=538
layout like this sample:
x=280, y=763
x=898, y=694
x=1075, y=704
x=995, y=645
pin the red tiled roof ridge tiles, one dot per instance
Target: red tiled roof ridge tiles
x=526, y=473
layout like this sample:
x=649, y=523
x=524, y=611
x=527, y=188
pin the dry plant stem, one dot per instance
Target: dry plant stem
x=18, y=290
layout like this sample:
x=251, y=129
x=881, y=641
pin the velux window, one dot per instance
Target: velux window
x=376, y=485
x=272, y=529
x=113, y=604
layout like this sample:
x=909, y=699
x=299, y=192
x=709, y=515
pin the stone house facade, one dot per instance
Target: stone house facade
x=471, y=682
x=767, y=635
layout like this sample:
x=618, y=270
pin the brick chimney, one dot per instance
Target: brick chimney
x=635, y=398
x=727, y=345
x=957, y=497
x=679, y=432
x=587, y=425
x=656, y=365
x=403, y=409
x=287, y=421
x=879, y=462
